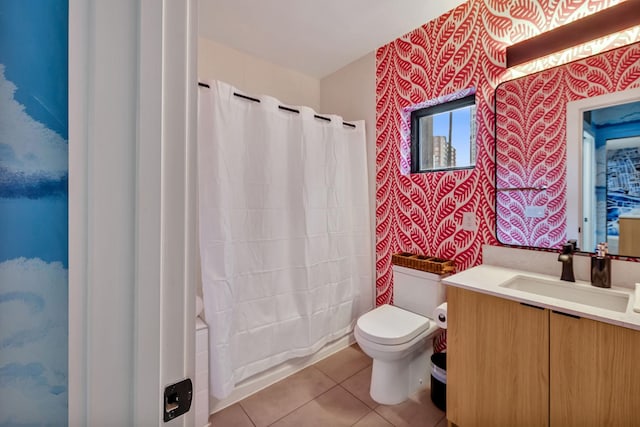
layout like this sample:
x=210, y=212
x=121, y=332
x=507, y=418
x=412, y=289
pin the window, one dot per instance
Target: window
x=443, y=136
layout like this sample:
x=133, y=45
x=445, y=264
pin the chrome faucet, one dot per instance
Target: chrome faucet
x=566, y=258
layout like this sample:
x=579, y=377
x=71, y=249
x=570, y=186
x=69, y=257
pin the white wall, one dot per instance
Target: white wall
x=255, y=76
x=351, y=93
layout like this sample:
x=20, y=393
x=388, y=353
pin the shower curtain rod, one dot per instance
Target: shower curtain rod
x=282, y=107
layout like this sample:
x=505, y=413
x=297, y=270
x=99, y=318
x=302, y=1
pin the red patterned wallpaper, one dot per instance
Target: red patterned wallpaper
x=531, y=131
x=463, y=48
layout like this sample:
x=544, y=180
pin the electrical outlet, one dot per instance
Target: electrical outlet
x=469, y=221
x=534, y=212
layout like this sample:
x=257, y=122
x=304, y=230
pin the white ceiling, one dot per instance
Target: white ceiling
x=316, y=37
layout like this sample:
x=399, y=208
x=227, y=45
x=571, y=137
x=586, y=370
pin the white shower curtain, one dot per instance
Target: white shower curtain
x=284, y=231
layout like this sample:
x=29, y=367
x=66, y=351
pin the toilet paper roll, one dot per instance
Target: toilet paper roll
x=440, y=315
x=199, y=306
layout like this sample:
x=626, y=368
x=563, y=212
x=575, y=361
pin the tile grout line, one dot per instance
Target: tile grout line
x=356, y=373
x=365, y=404
x=359, y=419
x=306, y=403
x=320, y=371
x=387, y=420
x=310, y=400
x=382, y=416
x=247, y=414
x=357, y=398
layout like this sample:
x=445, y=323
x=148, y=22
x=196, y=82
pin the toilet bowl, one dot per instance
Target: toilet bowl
x=399, y=343
x=398, y=337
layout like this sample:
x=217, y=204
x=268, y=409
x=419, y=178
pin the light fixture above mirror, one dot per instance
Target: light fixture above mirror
x=603, y=23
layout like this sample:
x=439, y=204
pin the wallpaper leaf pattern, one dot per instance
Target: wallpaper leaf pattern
x=461, y=49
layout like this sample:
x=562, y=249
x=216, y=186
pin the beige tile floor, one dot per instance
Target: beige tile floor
x=332, y=393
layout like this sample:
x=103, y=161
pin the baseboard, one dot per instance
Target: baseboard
x=273, y=375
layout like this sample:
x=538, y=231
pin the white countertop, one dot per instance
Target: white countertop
x=487, y=279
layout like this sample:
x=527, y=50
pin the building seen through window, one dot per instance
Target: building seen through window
x=444, y=136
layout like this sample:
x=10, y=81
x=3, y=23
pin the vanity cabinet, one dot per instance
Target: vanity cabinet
x=594, y=378
x=497, y=361
x=510, y=364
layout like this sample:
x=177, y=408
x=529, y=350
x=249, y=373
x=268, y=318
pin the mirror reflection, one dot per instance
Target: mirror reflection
x=568, y=155
x=611, y=178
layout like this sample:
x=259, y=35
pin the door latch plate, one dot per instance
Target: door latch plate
x=177, y=399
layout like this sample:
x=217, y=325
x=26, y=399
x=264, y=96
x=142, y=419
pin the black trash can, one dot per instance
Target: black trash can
x=439, y=380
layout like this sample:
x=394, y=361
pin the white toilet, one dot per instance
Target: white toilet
x=398, y=337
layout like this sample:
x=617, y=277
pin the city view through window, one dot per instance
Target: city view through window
x=444, y=139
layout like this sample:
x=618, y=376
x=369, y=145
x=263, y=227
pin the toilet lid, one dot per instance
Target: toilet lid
x=391, y=325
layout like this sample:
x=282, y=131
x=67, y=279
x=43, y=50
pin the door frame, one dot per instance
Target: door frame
x=132, y=128
x=575, y=110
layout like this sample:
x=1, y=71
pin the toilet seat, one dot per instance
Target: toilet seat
x=390, y=325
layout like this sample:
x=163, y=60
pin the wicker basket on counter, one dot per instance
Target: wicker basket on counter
x=424, y=263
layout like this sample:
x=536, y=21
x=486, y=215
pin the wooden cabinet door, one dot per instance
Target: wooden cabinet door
x=595, y=375
x=497, y=361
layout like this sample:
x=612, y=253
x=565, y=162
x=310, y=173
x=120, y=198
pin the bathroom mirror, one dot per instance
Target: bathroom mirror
x=545, y=192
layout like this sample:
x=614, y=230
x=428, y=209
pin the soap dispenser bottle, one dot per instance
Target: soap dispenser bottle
x=601, y=267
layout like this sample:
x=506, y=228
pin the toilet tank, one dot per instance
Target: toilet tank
x=417, y=291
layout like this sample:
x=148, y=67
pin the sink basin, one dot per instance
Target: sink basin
x=567, y=291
